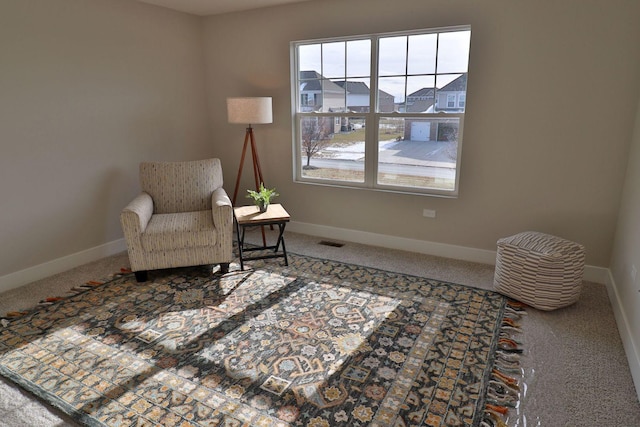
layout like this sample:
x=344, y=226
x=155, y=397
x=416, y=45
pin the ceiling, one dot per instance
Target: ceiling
x=216, y=7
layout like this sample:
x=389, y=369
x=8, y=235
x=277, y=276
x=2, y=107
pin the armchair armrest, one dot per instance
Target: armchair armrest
x=134, y=219
x=136, y=215
x=222, y=210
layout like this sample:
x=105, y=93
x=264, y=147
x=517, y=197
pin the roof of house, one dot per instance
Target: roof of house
x=457, y=85
x=425, y=91
x=419, y=106
x=360, y=88
x=313, y=81
x=357, y=88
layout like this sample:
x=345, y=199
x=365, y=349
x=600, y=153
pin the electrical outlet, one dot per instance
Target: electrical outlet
x=634, y=273
x=429, y=213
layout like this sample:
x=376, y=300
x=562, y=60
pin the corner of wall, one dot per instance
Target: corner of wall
x=624, y=328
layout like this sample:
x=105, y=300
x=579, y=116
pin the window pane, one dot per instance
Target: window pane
x=310, y=95
x=453, y=52
x=333, y=59
x=418, y=152
x=393, y=56
x=333, y=97
x=451, y=87
x=332, y=148
x=422, y=54
x=394, y=86
x=420, y=94
x=358, y=94
x=309, y=59
x=359, y=58
x=386, y=101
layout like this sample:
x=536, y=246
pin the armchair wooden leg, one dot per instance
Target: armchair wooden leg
x=141, y=276
x=224, y=267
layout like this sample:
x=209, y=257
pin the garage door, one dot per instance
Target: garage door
x=420, y=131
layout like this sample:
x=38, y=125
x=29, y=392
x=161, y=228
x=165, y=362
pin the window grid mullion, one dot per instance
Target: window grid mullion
x=322, y=79
x=371, y=131
x=344, y=98
x=406, y=70
x=435, y=77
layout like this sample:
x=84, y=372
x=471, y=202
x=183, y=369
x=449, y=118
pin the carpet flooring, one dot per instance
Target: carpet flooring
x=575, y=369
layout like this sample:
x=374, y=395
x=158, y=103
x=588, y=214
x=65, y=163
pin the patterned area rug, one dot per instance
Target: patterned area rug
x=318, y=343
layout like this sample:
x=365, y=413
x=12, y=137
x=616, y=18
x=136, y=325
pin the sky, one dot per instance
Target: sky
x=417, y=61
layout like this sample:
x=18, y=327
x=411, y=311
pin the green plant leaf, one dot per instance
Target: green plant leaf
x=262, y=195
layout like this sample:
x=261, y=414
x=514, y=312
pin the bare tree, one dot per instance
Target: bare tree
x=451, y=138
x=314, y=136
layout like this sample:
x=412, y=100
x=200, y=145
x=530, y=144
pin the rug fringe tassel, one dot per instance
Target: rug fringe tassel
x=12, y=315
x=492, y=419
x=79, y=289
x=503, y=391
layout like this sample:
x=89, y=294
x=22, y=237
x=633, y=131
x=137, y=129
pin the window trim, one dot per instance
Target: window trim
x=372, y=118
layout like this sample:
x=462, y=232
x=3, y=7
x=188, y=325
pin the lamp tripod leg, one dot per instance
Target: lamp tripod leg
x=244, y=152
x=257, y=174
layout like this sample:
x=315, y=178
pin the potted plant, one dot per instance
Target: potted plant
x=262, y=197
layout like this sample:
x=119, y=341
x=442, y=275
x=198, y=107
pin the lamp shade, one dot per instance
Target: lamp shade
x=249, y=110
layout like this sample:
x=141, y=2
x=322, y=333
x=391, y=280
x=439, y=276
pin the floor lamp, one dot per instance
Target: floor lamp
x=248, y=111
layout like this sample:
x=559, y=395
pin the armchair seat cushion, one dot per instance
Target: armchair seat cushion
x=167, y=232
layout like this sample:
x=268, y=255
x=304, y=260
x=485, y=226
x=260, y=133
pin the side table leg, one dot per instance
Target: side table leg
x=240, y=244
x=281, y=226
x=281, y=240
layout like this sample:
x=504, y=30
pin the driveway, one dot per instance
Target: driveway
x=414, y=153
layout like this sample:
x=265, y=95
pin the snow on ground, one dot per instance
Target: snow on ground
x=356, y=151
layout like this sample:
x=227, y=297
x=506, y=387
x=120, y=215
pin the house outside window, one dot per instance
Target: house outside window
x=388, y=111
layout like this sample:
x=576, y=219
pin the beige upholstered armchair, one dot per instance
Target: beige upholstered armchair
x=183, y=217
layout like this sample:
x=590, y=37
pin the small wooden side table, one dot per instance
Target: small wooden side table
x=246, y=216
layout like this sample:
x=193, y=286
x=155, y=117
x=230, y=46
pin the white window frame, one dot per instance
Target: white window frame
x=372, y=119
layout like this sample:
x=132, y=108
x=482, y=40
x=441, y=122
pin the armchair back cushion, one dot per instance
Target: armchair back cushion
x=181, y=186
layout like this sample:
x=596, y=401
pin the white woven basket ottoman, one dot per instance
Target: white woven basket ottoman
x=540, y=270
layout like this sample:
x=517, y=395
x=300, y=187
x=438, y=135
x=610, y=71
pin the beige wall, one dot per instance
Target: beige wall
x=87, y=90
x=626, y=255
x=544, y=149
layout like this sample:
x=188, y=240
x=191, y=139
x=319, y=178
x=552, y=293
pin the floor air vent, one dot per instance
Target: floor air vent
x=332, y=244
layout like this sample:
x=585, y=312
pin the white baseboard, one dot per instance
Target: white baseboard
x=37, y=272
x=483, y=256
x=596, y=274
x=392, y=242
x=630, y=346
